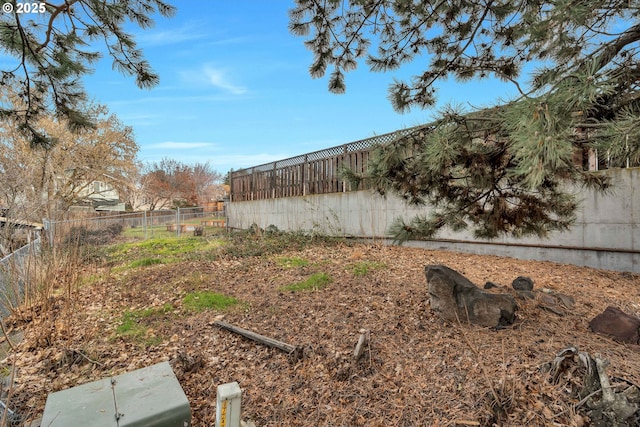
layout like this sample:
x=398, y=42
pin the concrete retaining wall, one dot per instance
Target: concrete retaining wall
x=606, y=234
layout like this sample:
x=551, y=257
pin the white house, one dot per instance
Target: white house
x=100, y=196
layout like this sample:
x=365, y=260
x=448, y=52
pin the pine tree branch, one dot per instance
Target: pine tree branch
x=396, y=48
x=54, y=14
x=444, y=70
x=610, y=50
x=345, y=46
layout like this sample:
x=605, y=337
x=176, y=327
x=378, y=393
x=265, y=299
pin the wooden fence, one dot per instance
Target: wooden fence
x=319, y=172
x=312, y=173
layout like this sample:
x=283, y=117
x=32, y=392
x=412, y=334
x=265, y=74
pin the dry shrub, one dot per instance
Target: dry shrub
x=82, y=235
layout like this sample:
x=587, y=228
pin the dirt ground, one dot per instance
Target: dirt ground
x=416, y=371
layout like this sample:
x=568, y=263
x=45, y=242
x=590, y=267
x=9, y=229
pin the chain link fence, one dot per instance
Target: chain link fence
x=15, y=271
x=17, y=268
x=139, y=225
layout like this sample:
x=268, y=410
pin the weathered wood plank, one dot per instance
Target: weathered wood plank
x=295, y=351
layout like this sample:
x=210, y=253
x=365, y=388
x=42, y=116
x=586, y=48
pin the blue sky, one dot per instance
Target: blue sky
x=235, y=90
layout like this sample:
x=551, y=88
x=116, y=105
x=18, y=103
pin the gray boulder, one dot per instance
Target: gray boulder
x=522, y=283
x=454, y=298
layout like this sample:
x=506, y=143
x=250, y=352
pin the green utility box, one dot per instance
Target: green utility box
x=148, y=397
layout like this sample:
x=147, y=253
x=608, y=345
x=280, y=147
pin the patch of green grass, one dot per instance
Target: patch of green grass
x=135, y=325
x=293, y=262
x=169, y=250
x=90, y=279
x=160, y=230
x=145, y=262
x=156, y=231
x=129, y=326
x=314, y=282
x=150, y=312
x=5, y=371
x=363, y=268
x=175, y=246
x=205, y=300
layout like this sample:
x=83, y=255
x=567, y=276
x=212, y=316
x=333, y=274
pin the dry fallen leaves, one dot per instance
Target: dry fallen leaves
x=416, y=369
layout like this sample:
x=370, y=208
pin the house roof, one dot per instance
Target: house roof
x=20, y=223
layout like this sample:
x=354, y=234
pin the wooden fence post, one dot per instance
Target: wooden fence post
x=344, y=183
x=274, y=182
x=303, y=175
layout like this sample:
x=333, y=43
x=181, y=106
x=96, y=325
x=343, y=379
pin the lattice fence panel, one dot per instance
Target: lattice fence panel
x=312, y=173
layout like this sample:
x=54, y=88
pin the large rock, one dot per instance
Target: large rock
x=617, y=324
x=522, y=283
x=454, y=298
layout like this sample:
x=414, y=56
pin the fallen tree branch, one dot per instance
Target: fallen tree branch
x=5, y=336
x=607, y=393
x=84, y=356
x=294, y=351
x=613, y=408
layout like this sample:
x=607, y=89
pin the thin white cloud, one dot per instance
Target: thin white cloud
x=218, y=78
x=228, y=41
x=188, y=32
x=211, y=76
x=140, y=119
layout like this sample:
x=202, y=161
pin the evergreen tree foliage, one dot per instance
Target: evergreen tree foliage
x=54, y=48
x=509, y=169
